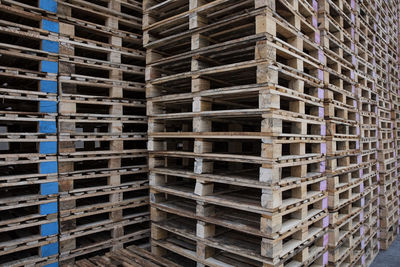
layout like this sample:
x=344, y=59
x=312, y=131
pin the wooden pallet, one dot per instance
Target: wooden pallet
x=102, y=128
x=28, y=224
x=48, y=7
x=28, y=161
x=114, y=14
x=132, y=256
x=100, y=243
x=207, y=112
x=42, y=252
x=232, y=242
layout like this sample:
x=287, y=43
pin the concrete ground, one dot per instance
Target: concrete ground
x=390, y=257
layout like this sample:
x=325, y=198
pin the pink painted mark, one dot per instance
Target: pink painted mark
x=362, y=202
x=357, y=145
x=358, y=130
x=362, y=244
x=325, y=222
x=361, y=173
x=314, y=21
x=322, y=166
x=323, y=148
x=315, y=5
x=353, y=4
x=379, y=189
x=359, y=159
x=321, y=75
x=325, y=203
x=363, y=259
x=362, y=187
x=317, y=38
x=323, y=130
x=354, y=60
x=325, y=259
x=352, y=74
x=322, y=185
x=321, y=112
x=326, y=239
x=361, y=216
x=321, y=93
x=321, y=56
x=361, y=230
x=353, y=89
x=379, y=244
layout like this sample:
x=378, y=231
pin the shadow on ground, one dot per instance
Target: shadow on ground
x=390, y=257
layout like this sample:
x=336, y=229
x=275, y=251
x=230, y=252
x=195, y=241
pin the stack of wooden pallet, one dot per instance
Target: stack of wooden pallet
x=236, y=132
x=28, y=140
x=386, y=89
x=366, y=91
x=345, y=179
x=396, y=108
x=102, y=128
x=273, y=131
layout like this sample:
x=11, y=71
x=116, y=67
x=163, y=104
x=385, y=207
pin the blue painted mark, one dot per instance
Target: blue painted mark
x=48, y=106
x=49, y=249
x=47, y=127
x=48, y=147
x=49, y=229
x=49, y=66
x=49, y=188
x=50, y=46
x=48, y=86
x=51, y=26
x=48, y=208
x=49, y=5
x=48, y=167
x=55, y=264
